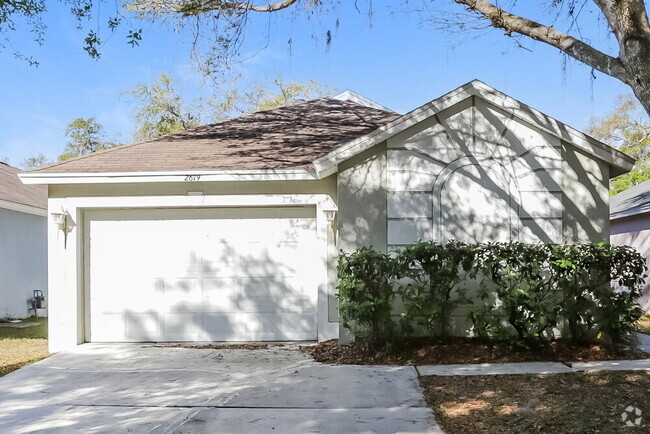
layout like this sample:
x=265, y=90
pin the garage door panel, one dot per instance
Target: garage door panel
x=275, y=286
x=161, y=275
x=143, y=326
x=222, y=326
x=110, y=327
x=262, y=269
x=182, y=326
x=219, y=269
x=265, y=326
x=220, y=291
x=181, y=287
x=262, y=305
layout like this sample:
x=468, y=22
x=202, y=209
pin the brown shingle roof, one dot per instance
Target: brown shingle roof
x=13, y=190
x=283, y=138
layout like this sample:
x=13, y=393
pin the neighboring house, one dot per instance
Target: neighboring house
x=23, y=243
x=629, y=214
x=231, y=231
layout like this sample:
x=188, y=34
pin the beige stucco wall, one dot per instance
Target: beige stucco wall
x=634, y=231
x=362, y=201
x=585, y=187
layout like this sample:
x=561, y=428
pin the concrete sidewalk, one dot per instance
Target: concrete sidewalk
x=143, y=388
x=541, y=367
x=533, y=368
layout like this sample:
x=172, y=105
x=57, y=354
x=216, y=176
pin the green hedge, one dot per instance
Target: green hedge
x=526, y=292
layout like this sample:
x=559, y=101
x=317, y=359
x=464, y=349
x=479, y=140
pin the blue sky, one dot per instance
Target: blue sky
x=393, y=58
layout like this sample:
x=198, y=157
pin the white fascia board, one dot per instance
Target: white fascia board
x=19, y=207
x=175, y=176
x=552, y=126
x=355, y=147
x=179, y=201
x=328, y=163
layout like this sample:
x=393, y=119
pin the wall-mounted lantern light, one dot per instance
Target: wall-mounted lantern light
x=330, y=216
x=61, y=220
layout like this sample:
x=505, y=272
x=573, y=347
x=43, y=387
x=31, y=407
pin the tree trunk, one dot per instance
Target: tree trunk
x=628, y=20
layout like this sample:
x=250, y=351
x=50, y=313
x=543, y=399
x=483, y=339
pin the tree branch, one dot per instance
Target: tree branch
x=568, y=44
x=199, y=7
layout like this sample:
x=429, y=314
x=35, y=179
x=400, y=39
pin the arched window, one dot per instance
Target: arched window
x=475, y=201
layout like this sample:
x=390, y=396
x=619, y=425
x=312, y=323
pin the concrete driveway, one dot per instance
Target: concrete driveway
x=144, y=388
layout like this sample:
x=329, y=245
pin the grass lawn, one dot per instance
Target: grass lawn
x=576, y=402
x=644, y=324
x=20, y=347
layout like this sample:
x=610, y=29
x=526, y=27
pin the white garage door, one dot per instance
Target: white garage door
x=227, y=274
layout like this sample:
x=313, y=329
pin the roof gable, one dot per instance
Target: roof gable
x=619, y=161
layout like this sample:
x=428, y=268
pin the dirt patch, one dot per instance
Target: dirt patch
x=16, y=353
x=218, y=346
x=576, y=402
x=455, y=351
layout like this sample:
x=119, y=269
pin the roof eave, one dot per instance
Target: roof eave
x=21, y=207
x=189, y=176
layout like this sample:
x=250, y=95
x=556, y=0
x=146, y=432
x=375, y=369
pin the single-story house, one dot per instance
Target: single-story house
x=629, y=214
x=23, y=243
x=230, y=231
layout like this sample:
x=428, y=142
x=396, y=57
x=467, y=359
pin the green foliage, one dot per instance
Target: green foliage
x=639, y=174
x=432, y=292
x=515, y=293
x=530, y=293
x=591, y=308
x=627, y=129
x=35, y=161
x=160, y=110
x=279, y=93
x=86, y=136
x=366, y=295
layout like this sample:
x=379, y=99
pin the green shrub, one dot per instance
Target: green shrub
x=433, y=291
x=526, y=292
x=366, y=294
x=591, y=307
x=516, y=293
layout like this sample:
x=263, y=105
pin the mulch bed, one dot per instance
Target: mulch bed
x=464, y=350
x=575, y=402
